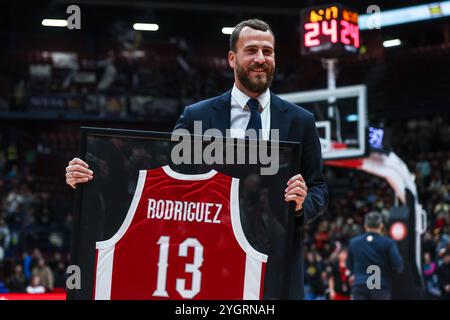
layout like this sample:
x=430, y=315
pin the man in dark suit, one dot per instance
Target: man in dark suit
x=252, y=56
x=250, y=105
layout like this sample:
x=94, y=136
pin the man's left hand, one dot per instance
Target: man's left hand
x=296, y=191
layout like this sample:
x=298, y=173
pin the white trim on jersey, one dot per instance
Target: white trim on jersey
x=237, y=226
x=252, y=279
x=105, y=259
x=190, y=177
x=130, y=214
x=103, y=274
x=254, y=259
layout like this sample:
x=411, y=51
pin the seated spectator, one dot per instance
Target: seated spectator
x=339, y=278
x=17, y=281
x=58, y=265
x=27, y=264
x=44, y=273
x=4, y=238
x=429, y=273
x=443, y=273
x=313, y=279
x=322, y=235
x=428, y=244
x=351, y=229
x=442, y=240
x=35, y=286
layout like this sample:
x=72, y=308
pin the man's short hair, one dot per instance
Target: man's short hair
x=373, y=220
x=256, y=24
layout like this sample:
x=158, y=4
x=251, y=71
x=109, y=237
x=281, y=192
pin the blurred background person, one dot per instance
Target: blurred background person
x=339, y=277
x=443, y=273
x=373, y=249
x=45, y=274
x=429, y=267
x=17, y=281
x=35, y=286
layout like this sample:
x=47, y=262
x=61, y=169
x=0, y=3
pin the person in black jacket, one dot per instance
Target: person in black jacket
x=339, y=277
x=372, y=258
x=17, y=282
x=443, y=273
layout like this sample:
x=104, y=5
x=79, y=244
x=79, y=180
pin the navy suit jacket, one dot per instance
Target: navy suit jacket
x=381, y=251
x=295, y=124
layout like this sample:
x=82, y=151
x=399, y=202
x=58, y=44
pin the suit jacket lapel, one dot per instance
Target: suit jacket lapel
x=278, y=117
x=221, y=113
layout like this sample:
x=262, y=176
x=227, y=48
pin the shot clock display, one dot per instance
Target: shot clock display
x=329, y=30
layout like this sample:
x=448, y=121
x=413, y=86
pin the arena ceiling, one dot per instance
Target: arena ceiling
x=176, y=17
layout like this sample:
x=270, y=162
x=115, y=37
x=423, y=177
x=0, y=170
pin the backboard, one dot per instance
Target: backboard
x=341, y=119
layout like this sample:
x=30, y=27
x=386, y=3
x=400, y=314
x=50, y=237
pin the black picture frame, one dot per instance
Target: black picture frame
x=86, y=224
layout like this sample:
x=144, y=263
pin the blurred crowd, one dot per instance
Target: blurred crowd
x=35, y=227
x=425, y=146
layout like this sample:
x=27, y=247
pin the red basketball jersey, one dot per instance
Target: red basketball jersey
x=182, y=238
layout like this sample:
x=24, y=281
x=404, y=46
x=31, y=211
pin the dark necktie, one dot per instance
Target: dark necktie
x=255, y=117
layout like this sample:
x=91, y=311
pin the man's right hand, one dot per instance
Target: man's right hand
x=78, y=171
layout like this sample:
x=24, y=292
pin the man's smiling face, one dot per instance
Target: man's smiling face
x=254, y=59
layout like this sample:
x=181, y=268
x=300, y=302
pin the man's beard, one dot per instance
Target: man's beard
x=258, y=85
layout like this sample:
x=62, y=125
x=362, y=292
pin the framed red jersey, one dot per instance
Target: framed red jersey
x=149, y=228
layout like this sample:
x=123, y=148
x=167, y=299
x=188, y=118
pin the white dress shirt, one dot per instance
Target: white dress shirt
x=240, y=113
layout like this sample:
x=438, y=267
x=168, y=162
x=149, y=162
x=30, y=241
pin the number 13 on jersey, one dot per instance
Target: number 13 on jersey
x=193, y=268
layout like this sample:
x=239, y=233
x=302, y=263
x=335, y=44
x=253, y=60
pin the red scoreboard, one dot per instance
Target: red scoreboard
x=329, y=30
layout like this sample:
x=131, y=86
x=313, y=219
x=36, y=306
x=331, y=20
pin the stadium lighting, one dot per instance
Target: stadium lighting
x=54, y=22
x=405, y=15
x=391, y=43
x=145, y=26
x=227, y=30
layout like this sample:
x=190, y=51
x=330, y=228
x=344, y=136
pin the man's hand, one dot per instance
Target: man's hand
x=78, y=171
x=296, y=191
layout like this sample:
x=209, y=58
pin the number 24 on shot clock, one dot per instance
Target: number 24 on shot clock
x=329, y=30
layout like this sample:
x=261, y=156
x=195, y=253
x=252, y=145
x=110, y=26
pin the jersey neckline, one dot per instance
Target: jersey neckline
x=181, y=176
